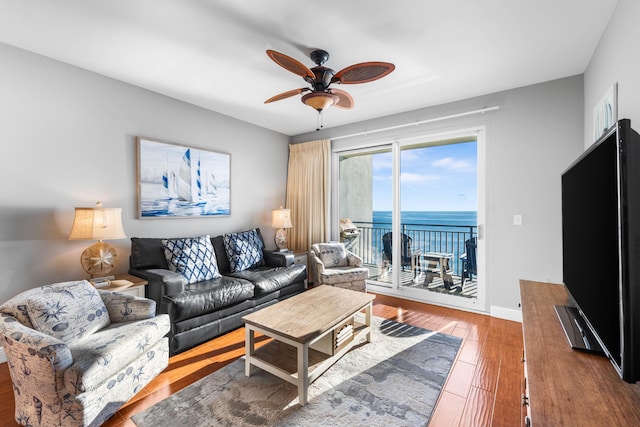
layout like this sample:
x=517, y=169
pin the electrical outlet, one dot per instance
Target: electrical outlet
x=517, y=220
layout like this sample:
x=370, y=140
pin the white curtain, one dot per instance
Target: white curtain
x=308, y=193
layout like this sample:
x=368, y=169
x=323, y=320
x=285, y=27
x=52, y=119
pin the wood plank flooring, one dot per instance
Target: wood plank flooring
x=484, y=387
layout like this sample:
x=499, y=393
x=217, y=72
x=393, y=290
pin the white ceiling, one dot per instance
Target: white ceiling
x=211, y=53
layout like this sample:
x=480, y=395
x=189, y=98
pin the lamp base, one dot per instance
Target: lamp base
x=281, y=238
x=99, y=259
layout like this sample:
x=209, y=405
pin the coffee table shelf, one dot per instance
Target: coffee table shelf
x=285, y=357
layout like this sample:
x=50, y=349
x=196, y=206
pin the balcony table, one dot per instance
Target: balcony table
x=434, y=264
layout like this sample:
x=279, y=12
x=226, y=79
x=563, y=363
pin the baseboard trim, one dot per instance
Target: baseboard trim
x=506, y=313
x=3, y=357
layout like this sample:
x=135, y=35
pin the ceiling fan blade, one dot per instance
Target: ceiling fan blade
x=290, y=64
x=286, y=94
x=363, y=73
x=345, y=101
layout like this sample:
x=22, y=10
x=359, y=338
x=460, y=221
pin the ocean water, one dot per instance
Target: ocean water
x=430, y=231
x=432, y=218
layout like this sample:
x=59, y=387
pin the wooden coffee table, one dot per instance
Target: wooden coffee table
x=310, y=332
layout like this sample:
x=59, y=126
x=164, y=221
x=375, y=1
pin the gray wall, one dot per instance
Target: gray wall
x=67, y=139
x=531, y=139
x=616, y=59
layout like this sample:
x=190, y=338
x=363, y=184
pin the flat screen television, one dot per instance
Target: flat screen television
x=601, y=249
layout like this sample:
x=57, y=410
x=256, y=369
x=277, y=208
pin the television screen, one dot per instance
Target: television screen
x=601, y=249
x=590, y=242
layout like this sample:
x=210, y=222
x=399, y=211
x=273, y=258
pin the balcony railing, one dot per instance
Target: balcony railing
x=425, y=237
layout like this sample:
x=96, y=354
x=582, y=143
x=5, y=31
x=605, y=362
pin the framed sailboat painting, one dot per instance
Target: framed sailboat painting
x=176, y=181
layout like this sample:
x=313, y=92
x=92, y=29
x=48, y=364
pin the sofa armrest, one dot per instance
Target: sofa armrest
x=11, y=328
x=127, y=308
x=161, y=282
x=278, y=259
x=316, y=266
x=353, y=260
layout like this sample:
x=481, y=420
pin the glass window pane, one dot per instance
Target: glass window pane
x=438, y=204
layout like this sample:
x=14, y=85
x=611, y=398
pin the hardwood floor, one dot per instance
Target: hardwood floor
x=484, y=387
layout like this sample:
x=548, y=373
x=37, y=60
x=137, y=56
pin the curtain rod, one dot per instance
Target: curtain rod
x=435, y=119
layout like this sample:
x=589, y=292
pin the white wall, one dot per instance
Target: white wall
x=67, y=138
x=616, y=59
x=531, y=139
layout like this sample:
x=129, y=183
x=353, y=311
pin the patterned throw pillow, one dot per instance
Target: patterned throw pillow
x=194, y=258
x=68, y=311
x=333, y=254
x=244, y=249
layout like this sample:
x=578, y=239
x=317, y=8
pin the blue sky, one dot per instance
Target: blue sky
x=442, y=178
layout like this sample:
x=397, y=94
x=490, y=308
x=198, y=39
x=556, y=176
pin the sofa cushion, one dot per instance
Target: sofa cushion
x=332, y=254
x=68, y=311
x=244, y=249
x=99, y=356
x=269, y=279
x=335, y=275
x=207, y=296
x=192, y=257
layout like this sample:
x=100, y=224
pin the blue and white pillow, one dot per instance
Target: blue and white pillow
x=244, y=249
x=194, y=258
x=68, y=311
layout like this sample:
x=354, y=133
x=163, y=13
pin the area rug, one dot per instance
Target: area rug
x=393, y=381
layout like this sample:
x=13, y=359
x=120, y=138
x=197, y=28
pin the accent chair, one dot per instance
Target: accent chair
x=77, y=354
x=334, y=265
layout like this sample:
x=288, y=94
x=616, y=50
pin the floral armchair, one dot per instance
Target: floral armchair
x=332, y=264
x=77, y=354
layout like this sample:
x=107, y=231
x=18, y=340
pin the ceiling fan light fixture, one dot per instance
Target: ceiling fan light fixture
x=320, y=100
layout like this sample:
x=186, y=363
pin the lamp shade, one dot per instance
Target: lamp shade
x=97, y=224
x=281, y=218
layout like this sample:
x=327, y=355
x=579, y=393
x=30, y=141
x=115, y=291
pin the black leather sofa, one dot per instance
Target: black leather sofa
x=203, y=310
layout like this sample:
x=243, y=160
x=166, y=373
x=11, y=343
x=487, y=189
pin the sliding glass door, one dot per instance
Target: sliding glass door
x=412, y=210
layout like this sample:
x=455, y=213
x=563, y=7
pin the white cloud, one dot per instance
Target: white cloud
x=407, y=177
x=452, y=164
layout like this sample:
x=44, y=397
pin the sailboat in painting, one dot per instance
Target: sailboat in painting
x=169, y=181
x=186, y=189
x=191, y=186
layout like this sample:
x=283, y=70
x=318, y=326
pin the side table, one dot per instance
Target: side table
x=302, y=257
x=137, y=288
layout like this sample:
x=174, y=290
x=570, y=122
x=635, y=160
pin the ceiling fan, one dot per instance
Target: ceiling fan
x=320, y=95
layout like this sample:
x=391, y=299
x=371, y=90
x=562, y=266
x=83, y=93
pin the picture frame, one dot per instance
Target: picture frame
x=605, y=113
x=178, y=181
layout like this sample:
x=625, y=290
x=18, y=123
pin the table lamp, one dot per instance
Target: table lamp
x=98, y=224
x=281, y=219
